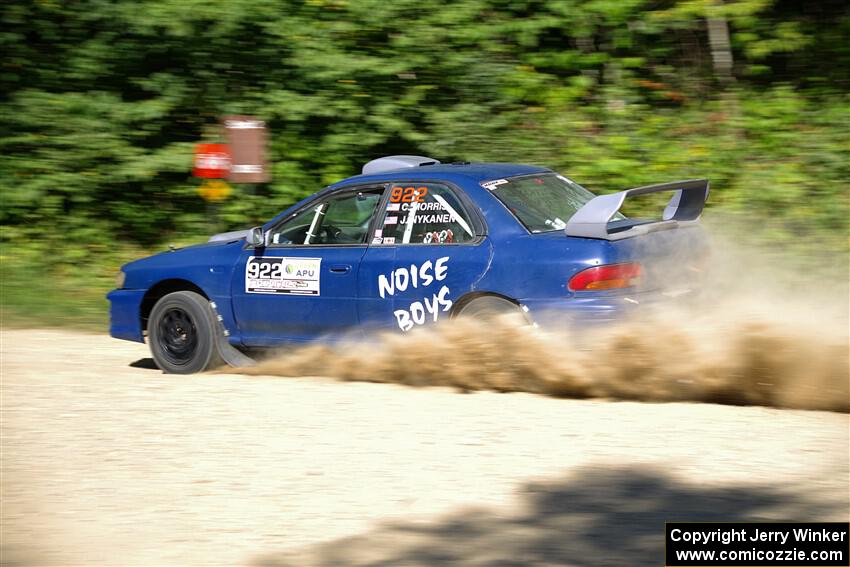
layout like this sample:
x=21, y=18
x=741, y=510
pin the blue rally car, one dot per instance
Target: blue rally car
x=408, y=243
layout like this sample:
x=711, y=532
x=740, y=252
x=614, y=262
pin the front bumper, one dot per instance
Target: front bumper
x=125, y=320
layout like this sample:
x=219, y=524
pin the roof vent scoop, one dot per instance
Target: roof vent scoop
x=396, y=162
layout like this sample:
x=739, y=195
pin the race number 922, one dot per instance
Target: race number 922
x=281, y=275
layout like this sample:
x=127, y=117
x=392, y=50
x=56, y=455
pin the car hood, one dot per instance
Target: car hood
x=178, y=255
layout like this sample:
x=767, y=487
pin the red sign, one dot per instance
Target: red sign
x=212, y=161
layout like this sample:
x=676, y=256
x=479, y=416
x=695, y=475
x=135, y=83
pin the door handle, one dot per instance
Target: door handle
x=340, y=268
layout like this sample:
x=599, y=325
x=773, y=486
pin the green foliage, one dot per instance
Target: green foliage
x=102, y=102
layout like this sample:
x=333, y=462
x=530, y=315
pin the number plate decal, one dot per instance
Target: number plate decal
x=295, y=276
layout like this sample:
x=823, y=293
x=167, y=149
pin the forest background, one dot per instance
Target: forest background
x=102, y=101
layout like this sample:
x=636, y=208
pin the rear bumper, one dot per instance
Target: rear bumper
x=576, y=312
x=125, y=321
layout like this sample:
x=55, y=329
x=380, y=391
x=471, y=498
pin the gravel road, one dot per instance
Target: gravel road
x=106, y=461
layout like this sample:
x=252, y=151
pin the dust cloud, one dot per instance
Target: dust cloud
x=752, y=337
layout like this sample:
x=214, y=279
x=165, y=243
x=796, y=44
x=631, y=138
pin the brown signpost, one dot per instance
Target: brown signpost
x=248, y=139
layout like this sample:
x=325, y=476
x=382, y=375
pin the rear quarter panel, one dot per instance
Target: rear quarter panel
x=539, y=267
x=528, y=267
x=532, y=266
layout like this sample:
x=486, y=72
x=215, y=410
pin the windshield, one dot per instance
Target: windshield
x=542, y=202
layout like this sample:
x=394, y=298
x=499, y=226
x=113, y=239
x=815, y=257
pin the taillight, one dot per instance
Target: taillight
x=610, y=276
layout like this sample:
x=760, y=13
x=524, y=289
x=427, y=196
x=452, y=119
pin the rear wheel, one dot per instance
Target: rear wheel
x=491, y=307
x=182, y=334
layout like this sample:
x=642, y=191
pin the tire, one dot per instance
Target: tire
x=182, y=334
x=490, y=307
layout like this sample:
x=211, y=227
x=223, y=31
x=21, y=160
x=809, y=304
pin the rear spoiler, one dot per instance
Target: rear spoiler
x=684, y=209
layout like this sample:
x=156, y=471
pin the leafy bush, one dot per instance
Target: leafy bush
x=102, y=103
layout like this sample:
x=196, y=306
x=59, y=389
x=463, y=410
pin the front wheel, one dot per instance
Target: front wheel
x=182, y=334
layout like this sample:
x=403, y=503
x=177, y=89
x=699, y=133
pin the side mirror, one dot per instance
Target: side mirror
x=255, y=237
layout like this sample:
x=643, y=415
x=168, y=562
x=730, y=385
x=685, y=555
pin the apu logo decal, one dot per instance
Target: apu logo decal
x=299, y=272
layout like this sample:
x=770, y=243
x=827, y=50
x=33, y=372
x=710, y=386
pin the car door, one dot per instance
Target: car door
x=303, y=283
x=428, y=249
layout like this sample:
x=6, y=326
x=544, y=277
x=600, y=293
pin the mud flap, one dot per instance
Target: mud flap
x=230, y=354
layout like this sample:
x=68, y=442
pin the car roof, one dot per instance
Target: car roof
x=476, y=172
x=457, y=173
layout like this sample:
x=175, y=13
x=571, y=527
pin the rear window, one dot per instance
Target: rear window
x=542, y=202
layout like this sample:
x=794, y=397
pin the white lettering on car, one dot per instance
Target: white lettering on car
x=428, y=219
x=414, y=277
x=399, y=278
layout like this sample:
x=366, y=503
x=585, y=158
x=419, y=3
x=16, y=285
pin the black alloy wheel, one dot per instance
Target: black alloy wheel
x=183, y=334
x=178, y=336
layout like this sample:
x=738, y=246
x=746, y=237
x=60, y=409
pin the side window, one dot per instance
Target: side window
x=294, y=230
x=423, y=213
x=342, y=219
